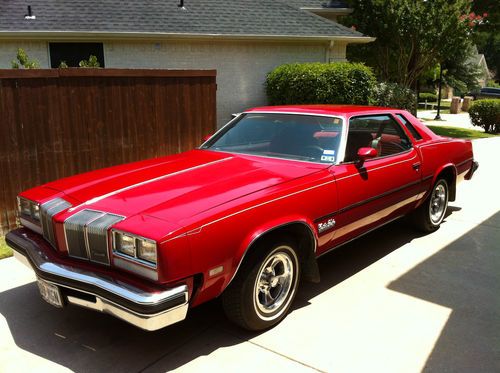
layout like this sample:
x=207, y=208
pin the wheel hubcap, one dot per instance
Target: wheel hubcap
x=438, y=204
x=274, y=282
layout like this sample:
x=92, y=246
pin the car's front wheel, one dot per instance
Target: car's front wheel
x=262, y=292
x=431, y=213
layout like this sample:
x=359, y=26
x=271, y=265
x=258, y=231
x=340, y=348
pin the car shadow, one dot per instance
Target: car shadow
x=82, y=340
x=464, y=276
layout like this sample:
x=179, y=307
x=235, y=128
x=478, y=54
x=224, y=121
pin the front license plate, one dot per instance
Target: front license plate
x=50, y=293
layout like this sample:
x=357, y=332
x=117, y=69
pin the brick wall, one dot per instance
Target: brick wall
x=241, y=66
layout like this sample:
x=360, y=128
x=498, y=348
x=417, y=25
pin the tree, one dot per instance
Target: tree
x=487, y=35
x=412, y=35
x=462, y=72
x=22, y=61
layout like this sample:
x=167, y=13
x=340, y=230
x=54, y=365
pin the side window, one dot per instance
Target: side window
x=380, y=132
x=410, y=127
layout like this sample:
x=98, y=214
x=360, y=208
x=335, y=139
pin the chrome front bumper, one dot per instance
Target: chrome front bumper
x=146, y=310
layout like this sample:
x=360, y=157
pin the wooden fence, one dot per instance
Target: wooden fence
x=60, y=122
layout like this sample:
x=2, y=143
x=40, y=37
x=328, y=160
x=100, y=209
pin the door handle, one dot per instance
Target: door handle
x=416, y=166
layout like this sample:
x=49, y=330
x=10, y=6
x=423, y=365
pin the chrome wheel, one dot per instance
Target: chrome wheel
x=438, y=203
x=274, y=283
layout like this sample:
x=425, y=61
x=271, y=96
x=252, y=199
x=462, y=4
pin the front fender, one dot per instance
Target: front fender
x=230, y=252
x=266, y=228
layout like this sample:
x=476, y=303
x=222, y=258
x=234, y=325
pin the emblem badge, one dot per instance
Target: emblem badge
x=329, y=224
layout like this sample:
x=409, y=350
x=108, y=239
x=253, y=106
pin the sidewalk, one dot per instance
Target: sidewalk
x=461, y=120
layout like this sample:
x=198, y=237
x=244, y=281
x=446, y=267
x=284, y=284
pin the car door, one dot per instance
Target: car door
x=380, y=189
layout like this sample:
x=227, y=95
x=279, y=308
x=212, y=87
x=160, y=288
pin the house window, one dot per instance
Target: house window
x=73, y=53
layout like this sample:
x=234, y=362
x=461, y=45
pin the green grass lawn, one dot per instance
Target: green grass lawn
x=5, y=251
x=462, y=133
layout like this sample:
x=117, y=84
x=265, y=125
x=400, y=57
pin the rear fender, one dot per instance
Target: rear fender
x=452, y=187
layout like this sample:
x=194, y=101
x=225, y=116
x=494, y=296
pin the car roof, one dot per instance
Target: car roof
x=339, y=110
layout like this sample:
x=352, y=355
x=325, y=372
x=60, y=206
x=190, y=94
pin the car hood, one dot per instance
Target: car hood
x=177, y=187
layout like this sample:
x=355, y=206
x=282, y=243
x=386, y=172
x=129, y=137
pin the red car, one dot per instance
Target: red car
x=244, y=217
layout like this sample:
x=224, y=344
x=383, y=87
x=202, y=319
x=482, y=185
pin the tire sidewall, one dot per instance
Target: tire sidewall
x=432, y=224
x=254, y=316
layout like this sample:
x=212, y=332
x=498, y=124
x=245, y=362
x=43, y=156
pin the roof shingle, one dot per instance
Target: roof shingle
x=201, y=17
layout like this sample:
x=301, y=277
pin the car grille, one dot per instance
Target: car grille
x=86, y=234
x=47, y=211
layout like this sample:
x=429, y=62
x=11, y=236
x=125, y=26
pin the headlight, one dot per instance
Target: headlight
x=125, y=244
x=28, y=209
x=35, y=211
x=135, y=247
x=146, y=250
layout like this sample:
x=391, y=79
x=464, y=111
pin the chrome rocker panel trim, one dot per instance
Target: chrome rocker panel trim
x=28, y=252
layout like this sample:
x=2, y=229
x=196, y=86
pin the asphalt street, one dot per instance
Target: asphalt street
x=392, y=301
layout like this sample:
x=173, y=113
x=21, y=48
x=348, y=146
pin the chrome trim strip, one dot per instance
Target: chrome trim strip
x=146, y=322
x=358, y=236
x=132, y=266
x=28, y=224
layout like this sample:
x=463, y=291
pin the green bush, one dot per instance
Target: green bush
x=492, y=84
x=91, y=62
x=320, y=83
x=486, y=114
x=429, y=97
x=22, y=61
x=395, y=96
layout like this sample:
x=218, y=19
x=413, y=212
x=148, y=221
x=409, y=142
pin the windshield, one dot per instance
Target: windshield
x=290, y=136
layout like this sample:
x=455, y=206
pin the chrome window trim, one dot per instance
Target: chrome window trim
x=387, y=114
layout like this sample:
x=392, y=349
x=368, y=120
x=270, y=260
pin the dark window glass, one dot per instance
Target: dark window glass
x=410, y=127
x=380, y=132
x=291, y=136
x=73, y=53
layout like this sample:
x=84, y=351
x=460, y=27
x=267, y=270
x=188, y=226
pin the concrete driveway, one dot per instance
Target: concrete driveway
x=394, y=301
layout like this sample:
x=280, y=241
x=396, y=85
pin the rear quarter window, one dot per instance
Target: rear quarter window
x=416, y=135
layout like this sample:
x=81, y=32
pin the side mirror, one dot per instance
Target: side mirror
x=206, y=138
x=366, y=153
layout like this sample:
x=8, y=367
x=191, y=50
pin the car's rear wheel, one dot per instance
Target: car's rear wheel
x=262, y=292
x=431, y=213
